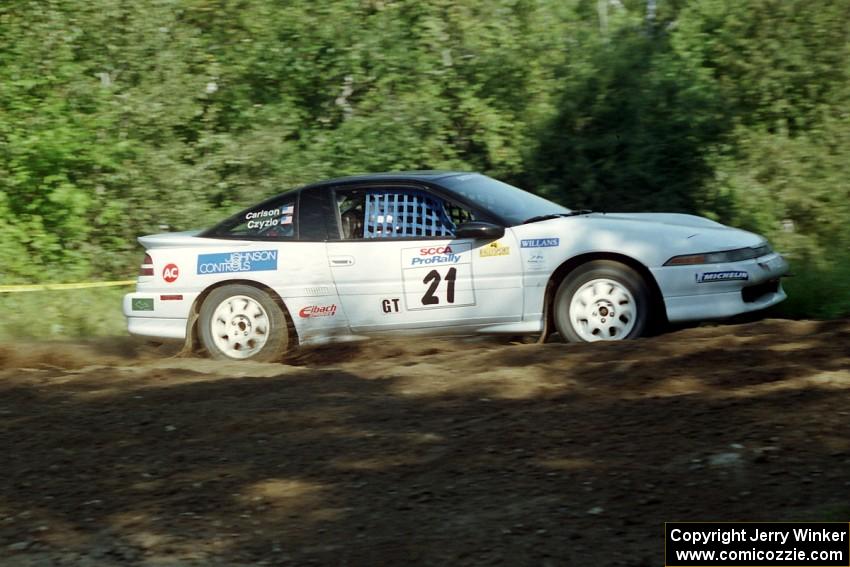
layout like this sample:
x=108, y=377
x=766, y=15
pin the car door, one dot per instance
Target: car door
x=281, y=243
x=397, y=263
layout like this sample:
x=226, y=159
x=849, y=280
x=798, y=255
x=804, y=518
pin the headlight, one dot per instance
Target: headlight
x=719, y=257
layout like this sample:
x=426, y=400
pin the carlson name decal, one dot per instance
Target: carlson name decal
x=435, y=255
x=229, y=262
x=312, y=311
x=728, y=276
x=539, y=242
x=269, y=218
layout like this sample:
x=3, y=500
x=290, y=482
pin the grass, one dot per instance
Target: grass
x=818, y=291
x=62, y=314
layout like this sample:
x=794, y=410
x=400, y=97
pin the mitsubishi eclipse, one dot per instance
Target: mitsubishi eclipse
x=439, y=253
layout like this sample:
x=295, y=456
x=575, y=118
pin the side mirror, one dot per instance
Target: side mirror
x=479, y=229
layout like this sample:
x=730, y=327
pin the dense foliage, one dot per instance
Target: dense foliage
x=124, y=118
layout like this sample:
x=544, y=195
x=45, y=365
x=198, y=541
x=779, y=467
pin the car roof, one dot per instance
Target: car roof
x=423, y=175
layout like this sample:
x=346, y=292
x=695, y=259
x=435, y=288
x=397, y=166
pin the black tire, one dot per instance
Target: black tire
x=277, y=333
x=601, y=269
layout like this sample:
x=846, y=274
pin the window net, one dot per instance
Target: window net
x=392, y=214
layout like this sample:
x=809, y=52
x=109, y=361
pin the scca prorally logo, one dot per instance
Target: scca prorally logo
x=317, y=311
x=228, y=262
x=435, y=250
x=540, y=242
x=435, y=255
x=170, y=273
x=709, y=277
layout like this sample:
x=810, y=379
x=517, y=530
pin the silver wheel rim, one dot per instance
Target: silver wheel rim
x=602, y=310
x=240, y=326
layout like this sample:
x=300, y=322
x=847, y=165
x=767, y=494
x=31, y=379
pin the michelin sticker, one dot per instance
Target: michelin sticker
x=230, y=262
x=709, y=277
x=539, y=242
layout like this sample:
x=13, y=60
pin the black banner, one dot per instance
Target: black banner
x=766, y=544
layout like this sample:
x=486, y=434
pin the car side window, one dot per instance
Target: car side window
x=397, y=213
x=273, y=221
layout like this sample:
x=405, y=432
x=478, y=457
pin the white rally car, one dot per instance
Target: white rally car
x=440, y=253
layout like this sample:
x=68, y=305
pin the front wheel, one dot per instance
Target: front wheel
x=241, y=322
x=602, y=301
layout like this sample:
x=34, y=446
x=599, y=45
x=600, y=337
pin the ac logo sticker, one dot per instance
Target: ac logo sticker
x=170, y=273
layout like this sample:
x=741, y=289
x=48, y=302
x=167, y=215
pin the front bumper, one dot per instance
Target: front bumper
x=717, y=291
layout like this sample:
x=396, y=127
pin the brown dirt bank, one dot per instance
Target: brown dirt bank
x=455, y=452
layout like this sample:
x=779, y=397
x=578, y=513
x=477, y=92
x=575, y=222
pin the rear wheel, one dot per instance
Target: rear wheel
x=602, y=301
x=240, y=322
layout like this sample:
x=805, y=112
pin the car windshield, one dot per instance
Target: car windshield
x=505, y=201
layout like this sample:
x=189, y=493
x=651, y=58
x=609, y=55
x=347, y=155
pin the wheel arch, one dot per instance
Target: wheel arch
x=658, y=314
x=193, y=343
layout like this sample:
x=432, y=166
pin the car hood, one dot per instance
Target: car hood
x=678, y=232
x=674, y=219
x=652, y=238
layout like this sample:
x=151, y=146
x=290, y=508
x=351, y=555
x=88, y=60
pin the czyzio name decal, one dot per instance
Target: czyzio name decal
x=709, y=277
x=269, y=218
x=539, y=242
x=229, y=262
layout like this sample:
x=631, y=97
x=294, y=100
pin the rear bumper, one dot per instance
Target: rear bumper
x=157, y=328
x=718, y=291
x=158, y=315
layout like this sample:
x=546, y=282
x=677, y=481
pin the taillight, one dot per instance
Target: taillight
x=147, y=266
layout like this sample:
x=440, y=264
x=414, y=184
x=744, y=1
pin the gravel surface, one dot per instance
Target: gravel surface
x=426, y=452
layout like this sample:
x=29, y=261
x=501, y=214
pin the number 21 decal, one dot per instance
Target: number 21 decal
x=433, y=278
x=438, y=276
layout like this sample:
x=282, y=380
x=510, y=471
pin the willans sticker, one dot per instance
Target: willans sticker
x=539, y=242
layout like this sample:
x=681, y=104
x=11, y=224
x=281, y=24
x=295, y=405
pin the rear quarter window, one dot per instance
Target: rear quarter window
x=273, y=220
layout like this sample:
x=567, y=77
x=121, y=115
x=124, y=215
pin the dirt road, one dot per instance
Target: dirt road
x=429, y=452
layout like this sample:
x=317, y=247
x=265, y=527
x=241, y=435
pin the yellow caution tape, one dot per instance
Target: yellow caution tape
x=52, y=287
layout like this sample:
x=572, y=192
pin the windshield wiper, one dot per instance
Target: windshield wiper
x=557, y=215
